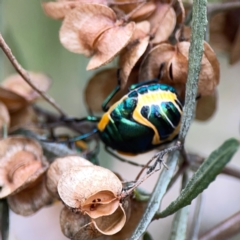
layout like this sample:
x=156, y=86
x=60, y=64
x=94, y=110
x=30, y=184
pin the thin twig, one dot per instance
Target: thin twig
x=224, y=230
x=25, y=75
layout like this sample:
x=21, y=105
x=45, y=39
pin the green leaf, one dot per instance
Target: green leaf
x=206, y=174
x=147, y=236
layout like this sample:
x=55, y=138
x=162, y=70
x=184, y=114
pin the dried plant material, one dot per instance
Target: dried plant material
x=225, y=33
x=83, y=26
x=77, y=225
x=235, y=49
x=4, y=116
x=163, y=22
x=59, y=9
x=99, y=87
x=110, y=43
x=32, y=198
x=93, y=30
x=174, y=60
x=25, y=117
x=76, y=186
x=13, y=101
x=102, y=84
x=135, y=49
x=183, y=34
x=21, y=162
x=16, y=84
x=206, y=107
x=59, y=166
x=145, y=11
x=111, y=224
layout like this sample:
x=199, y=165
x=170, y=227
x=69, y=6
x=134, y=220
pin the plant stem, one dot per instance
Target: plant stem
x=25, y=75
x=199, y=22
x=224, y=230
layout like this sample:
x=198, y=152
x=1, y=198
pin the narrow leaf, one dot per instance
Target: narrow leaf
x=206, y=174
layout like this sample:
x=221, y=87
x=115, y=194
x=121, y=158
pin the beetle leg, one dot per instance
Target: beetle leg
x=159, y=156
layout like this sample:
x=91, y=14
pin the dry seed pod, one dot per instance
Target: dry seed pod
x=144, y=12
x=22, y=178
x=206, y=107
x=16, y=84
x=77, y=225
x=31, y=199
x=21, y=161
x=93, y=30
x=135, y=49
x=25, y=117
x=163, y=22
x=61, y=165
x=101, y=85
x=13, y=101
x=91, y=189
x=59, y=9
x=4, y=116
x=174, y=72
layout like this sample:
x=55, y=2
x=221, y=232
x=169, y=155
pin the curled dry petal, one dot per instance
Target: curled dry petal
x=13, y=101
x=163, y=22
x=59, y=9
x=145, y=11
x=206, y=107
x=111, y=224
x=77, y=225
x=61, y=165
x=110, y=43
x=21, y=163
x=83, y=25
x=16, y=84
x=175, y=62
x=4, y=116
x=25, y=117
x=135, y=49
x=32, y=198
x=102, y=84
x=76, y=186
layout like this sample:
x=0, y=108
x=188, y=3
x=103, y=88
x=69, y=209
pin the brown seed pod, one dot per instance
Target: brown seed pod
x=4, y=116
x=206, y=107
x=102, y=84
x=91, y=189
x=22, y=177
x=13, y=101
x=16, y=84
x=163, y=22
x=175, y=62
x=77, y=225
x=61, y=165
x=25, y=117
x=93, y=30
x=59, y=9
x=135, y=49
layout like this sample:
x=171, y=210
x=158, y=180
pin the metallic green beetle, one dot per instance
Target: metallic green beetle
x=148, y=116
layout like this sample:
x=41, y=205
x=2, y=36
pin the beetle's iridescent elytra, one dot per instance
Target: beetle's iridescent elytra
x=141, y=120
